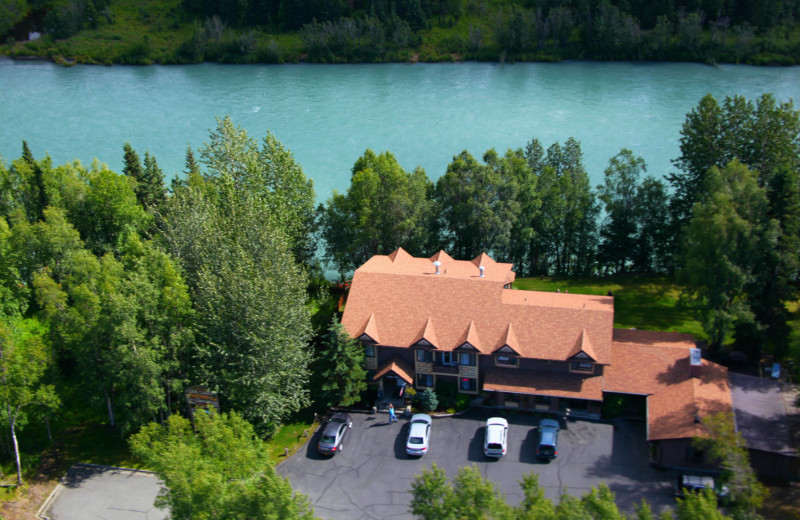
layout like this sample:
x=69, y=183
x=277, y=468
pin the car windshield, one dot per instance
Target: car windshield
x=546, y=449
x=328, y=439
x=495, y=446
x=415, y=440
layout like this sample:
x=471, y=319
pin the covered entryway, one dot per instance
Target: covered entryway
x=393, y=376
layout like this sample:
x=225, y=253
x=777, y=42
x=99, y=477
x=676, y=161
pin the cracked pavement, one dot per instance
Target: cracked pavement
x=371, y=477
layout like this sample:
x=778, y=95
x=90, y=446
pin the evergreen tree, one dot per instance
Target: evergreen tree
x=150, y=190
x=27, y=155
x=192, y=168
x=133, y=166
x=339, y=365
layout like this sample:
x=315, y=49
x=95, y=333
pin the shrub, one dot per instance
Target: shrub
x=447, y=391
x=428, y=400
x=462, y=402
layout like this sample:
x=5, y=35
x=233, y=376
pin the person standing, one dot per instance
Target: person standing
x=392, y=416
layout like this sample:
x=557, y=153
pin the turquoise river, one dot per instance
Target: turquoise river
x=329, y=114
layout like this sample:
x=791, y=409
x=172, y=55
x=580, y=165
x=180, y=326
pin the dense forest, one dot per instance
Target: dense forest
x=334, y=31
x=117, y=291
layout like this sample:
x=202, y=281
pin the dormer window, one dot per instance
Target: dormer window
x=506, y=360
x=585, y=367
x=466, y=359
x=424, y=356
x=369, y=350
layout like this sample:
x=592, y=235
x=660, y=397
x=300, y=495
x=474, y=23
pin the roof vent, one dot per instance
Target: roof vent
x=482, y=270
x=437, y=264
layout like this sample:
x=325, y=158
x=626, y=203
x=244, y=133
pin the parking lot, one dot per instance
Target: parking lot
x=371, y=477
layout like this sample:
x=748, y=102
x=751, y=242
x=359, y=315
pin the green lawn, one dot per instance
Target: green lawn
x=291, y=435
x=641, y=302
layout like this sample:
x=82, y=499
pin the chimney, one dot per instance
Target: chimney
x=695, y=362
x=482, y=270
x=437, y=264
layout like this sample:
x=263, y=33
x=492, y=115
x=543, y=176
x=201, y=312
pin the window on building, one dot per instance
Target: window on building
x=449, y=359
x=542, y=400
x=468, y=384
x=369, y=350
x=581, y=366
x=466, y=359
x=695, y=455
x=424, y=356
x=424, y=380
x=507, y=360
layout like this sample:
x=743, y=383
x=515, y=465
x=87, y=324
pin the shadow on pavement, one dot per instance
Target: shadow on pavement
x=527, y=451
x=311, y=447
x=475, y=453
x=79, y=473
x=400, y=441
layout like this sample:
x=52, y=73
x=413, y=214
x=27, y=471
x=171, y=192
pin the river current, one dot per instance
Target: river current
x=327, y=115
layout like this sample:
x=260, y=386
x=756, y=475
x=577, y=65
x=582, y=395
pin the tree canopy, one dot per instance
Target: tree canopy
x=218, y=470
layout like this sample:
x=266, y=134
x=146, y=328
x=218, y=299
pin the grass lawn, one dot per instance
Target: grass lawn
x=291, y=435
x=641, y=302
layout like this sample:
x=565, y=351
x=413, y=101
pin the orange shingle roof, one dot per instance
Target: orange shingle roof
x=583, y=345
x=540, y=382
x=677, y=412
x=399, y=367
x=656, y=364
x=428, y=335
x=407, y=298
x=646, y=362
x=371, y=330
x=472, y=337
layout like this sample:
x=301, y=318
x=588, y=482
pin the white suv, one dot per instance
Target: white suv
x=496, y=437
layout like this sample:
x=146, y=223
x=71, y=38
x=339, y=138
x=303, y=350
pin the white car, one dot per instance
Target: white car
x=496, y=441
x=418, y=434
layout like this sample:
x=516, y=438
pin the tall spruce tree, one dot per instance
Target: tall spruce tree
x=339, y=365
x=150, y=190
x=133, y=166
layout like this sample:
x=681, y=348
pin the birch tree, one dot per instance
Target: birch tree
x=24, y=359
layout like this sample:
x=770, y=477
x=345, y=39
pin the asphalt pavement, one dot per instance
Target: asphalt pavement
x=102, y=492
x=371, y=477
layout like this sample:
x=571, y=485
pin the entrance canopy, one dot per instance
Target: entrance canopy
x=398, y=367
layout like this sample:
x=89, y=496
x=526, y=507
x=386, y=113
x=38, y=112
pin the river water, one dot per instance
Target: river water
x=329, y=114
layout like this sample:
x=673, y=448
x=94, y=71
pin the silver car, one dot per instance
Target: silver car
x=418, y=434
x=331, y=441
x=496, y=440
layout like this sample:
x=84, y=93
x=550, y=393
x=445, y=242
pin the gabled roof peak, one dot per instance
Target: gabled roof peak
x=399, y=254
x=471, y=337
x=371, y=329
x=583, y=346
x=509, y=341
x=441, y=256
x=428, y=335
x=483, y=260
